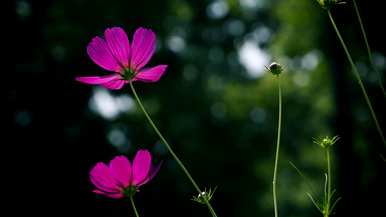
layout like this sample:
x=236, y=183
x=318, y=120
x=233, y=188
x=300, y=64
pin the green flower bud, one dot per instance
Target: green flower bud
x=327, y=4
x=204, y=196
x=327, y=142
x=275, y=68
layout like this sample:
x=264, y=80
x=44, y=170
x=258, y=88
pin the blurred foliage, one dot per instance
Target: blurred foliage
x=218, y=115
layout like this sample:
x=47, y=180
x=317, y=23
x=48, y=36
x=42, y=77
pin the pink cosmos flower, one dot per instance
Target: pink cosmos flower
x=120, y=178
x=114, y=53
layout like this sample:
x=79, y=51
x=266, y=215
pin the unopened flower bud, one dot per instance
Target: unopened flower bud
x=204, y=196
x=327, y=142
x=275, y=68
x=327, y=4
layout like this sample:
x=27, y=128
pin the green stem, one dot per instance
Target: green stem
x=359, y=80
x=169, y=148
x=369, y=50
x=328, y=180
x=277, y=152
x=133, y=205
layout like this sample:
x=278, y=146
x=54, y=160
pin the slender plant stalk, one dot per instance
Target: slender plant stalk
x=380, y=78
x=357, y=76
x=170, y=149
x=277, y=152
x=133, y=205
x=327, y=213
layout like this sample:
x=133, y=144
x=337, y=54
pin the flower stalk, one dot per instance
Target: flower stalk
x=179, y=162
x=328, y=204
x=358, y=78
x=276, y=69
x=380, y=78
x=327, y=211
x=133, y=205
x=277, y=152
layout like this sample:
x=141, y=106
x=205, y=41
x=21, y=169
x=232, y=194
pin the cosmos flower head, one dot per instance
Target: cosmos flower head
x=114, y=53
x=120, y=178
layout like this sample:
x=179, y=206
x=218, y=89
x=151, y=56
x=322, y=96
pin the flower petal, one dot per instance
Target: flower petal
x=152, y=172
x=98, y=79
x=152, y=74
x=142, y=48
x=141, y=166
x=118, y=44
x=111, y=195
x=114, y=84
x=100, y=53
x=120, y=168
x=101, y=178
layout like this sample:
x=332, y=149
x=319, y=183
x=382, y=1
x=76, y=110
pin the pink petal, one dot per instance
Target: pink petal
x=118, y=44
x=152, y=74
x=100, y=53
x=102, y=186
x=141, y=166
x=152, y=172
x=98, y=79
x=114, y=84
x=100, y=176
x=142, y=48
x=115, y=196
x=120, y=168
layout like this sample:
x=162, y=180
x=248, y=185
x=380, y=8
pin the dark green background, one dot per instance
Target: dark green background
x=220, y=120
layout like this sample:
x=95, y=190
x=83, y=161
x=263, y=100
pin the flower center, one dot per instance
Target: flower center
x=129, y=191
x=128, y=74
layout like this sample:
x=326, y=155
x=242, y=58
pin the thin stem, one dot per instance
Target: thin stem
x=133, y=205
x=328, y=180
x=359, y=80
x=170, y=149
x=277, y=152
x=380, y=80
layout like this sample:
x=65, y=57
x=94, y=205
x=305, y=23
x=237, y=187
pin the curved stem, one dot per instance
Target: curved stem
x=380, y=80
x=359, y=80
x=169, y=148
x=133, y=205
x=277, y=152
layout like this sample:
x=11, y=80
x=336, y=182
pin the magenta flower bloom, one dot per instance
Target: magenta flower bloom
x=120, y=178
x=114, y=53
